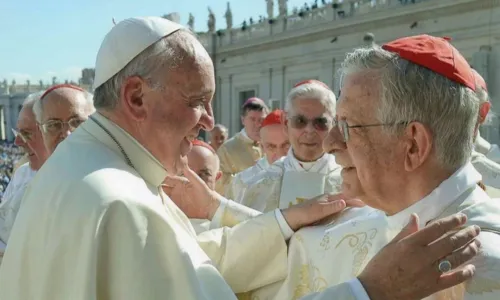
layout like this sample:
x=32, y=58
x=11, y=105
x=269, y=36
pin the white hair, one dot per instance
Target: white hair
x=38, y=105
x=169, y=51
x=30, y=101
x=409, y=92
x=312, y=91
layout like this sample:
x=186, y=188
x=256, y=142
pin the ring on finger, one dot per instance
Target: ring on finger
x=444, y=266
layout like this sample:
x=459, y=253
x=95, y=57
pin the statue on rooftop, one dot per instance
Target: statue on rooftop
x=13, y=84
x=54, y=80
x=4, y=83
x=28, y=84
x=211, y=21
x=229, y=17
x=270, y=9
x=191, y=22
x=40, y=82
x=283, y=9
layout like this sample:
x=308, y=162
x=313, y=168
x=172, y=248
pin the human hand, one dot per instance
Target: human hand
x=317, y=209
x=192, y=195
x=407, y=268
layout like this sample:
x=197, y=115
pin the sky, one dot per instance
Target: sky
x=40, y=39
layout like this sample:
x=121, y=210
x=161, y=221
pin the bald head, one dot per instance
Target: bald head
x=60, y=111
x=205, y=163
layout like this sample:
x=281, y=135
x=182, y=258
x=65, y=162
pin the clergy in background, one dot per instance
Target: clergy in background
x=489, y=169
x=218, y=136
x=56, y=113
x=95, y=222
x=29, y=138
x=275, y=144
x=203, y=160
x=242, y=150
x=405, y=126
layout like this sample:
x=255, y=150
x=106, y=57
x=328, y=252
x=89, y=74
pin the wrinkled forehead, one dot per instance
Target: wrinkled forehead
x=359, y=95
x=26, y=118
x=307, y=107
x=63, y=103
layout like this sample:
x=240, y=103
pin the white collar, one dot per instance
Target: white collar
x=263, y=163
x=318, y=166
x=440, y=198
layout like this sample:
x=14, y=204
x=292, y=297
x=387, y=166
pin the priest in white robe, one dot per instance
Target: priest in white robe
x=56, y=113
x=402, y=153
x=243, y=150
x=275, y=145
x=95, y=222
x=486, y=162
x=28, y=137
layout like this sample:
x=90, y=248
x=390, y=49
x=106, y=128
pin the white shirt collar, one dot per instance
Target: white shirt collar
x=318, y=166
x=432, y=205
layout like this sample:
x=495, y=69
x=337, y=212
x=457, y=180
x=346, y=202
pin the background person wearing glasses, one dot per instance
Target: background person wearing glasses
x=28, y=137
x=307, y=171
x=58, y=111
x=61, y=109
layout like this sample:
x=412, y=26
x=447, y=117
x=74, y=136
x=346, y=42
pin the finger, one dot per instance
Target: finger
x=455, y=277
x=462, y=256
x=334, y=197
x=409, y=229
x=452, y=242
x=174, y=181
x=435, y=230
x=325, y=209
x=354, y=203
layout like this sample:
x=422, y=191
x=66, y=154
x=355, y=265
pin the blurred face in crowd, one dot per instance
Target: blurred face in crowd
x=217, y=137
x=205, y=163
x=63, y=110
x=28, y=137
x=274, y=142
x=308, y=123
x=252, y=120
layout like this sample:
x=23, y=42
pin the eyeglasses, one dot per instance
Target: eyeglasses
x=24, y=135
x=344, y=127
x=301, y=122
x=56, y=126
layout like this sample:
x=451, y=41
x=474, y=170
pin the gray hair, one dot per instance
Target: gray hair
x=312, y=91
x=38, y=105
x=409, y=92
x=169, y=51
x=30, y=101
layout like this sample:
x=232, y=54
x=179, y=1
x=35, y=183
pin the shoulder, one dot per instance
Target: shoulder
x=23, y=171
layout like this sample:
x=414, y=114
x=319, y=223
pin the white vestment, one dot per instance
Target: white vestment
x=327, y=255
x=490, y=172
x=494, y=153
x=237, y=187
x=95, y=224
x=11, y=201
x=289, y=181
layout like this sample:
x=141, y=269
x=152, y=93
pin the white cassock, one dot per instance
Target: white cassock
x=95, y=224
x=350, y=246
x=494, y=153
x=240, y=181
x=11, y=201
x=490, y=172
x=288, y=182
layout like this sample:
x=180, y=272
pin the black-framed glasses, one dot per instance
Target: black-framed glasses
x=56, y=126
x=344, y=127
x=24, y=135
x=301, y=122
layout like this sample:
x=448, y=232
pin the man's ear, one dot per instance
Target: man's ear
x=483, y=111
x=218, y=176
x=132, y=93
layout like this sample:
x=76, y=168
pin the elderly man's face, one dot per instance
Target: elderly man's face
x=274, y=142
x=217, y=137
x=372, y=161
x=308, y=123
x=174, y=114
x=30, y=138
x=64, y=109
x=205, y=163
x=252, y=120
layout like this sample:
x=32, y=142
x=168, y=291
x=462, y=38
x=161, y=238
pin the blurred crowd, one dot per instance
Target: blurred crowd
x=10, y=155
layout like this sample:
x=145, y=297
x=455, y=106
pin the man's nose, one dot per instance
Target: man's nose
x=207, y=120
x=334, y=141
